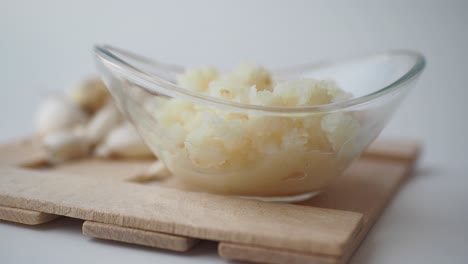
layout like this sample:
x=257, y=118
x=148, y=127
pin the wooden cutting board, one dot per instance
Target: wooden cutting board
x=324, y=229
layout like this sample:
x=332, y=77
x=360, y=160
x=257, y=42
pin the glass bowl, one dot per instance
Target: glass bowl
x=230, y=149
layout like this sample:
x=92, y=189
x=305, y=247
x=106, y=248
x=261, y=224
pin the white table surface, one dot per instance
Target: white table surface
x=46, y=45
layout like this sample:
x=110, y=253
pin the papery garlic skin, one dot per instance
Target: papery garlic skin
x=124, y=141
x=156, y=171
x=90, y=94
x=101, y=124
x=86, y=122
x=57, y=113
x=62, y=146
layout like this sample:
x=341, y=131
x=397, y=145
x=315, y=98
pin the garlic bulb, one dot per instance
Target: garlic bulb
x=102, y=123
x=124, y=142
x=90, y=94
x=64, y=145
x=57, y=114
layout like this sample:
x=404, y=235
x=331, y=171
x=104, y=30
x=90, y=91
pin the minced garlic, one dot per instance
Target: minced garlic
x=247, y=153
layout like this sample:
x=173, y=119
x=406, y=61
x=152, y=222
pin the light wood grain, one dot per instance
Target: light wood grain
x=116, y=170
x=272, y=256
x=398, y=150
x=138, y=236
x=27, y=217
x=172, y=211
x=366, y=187
x=22, y=153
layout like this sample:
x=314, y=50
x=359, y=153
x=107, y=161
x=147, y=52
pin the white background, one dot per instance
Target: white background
x=46, y=45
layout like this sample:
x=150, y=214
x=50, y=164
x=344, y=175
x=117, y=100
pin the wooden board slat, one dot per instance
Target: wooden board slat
x=398, y=150
x=27, y=217
x=173, y=211
x=272, y=256
x=138, y=236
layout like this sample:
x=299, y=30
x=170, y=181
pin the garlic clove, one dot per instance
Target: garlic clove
x=102, y=123
x=64, y=145
x=57, y=114
x=124, y=142
x=157, y=171
x=90, y=94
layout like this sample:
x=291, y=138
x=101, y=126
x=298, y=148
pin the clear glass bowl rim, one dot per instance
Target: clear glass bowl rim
x=106, y=54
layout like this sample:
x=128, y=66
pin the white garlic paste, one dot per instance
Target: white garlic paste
x=255, y=154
